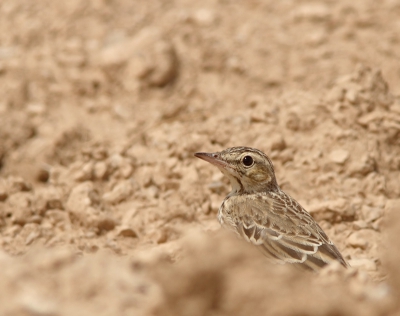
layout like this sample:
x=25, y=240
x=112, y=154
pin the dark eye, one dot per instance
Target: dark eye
x=248, y=161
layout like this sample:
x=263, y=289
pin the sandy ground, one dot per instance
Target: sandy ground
x=105, y=211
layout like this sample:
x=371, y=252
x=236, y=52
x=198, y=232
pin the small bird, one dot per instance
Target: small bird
x=260, y=212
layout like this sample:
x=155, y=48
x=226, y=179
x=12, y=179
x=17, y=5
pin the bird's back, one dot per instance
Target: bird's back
x=280, y=227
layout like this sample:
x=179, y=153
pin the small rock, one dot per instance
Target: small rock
x=332, y=210
x=130, y=211
x=336, y=94
x=216, y=186
x=17, y=184
x=48, y=198
x=80, y=197
x=100, y=170
x=119, y=193
x=357, y=241
x=377, y=224
x=339, y=156
x=360, y=224
x=12, y=231
x=19, y=205
x=59, y=218
x=99, y=153
x=293, y=122
x=204, y=17
x=312, y=12
x=31, y=237
x=3, y=191
x=370, y=214
x=43, y=174
x=375, y=116
x=106, y=223
x=85, y=173
x=115, y=161
x=29, y=232
x=35, y=108
x=161, y=236
x=363, y=166
x=152, y=192
x=257, y=116
x=364, y=264
x=148, y=57
x=126, y=169
x=71, y=60
x=126, y=231
x=80, y=204
x=37, y=219
x=316, y=37
x=286, y=155
x=352, y=96
x=278, y=143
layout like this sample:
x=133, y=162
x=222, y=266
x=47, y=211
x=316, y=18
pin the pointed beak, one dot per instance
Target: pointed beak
x=212, y=158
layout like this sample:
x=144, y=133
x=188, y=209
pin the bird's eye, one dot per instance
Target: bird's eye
x=248, y=161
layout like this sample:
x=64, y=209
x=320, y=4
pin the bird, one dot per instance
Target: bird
x=260, y=212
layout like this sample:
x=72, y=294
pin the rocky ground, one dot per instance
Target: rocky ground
x=105, y=211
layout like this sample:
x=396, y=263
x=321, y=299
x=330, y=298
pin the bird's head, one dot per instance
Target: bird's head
x=249, y=170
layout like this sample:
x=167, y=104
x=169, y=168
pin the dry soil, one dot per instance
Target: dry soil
x=105, y=211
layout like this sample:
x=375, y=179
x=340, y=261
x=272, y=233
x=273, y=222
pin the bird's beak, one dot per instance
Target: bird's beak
x=212, y=158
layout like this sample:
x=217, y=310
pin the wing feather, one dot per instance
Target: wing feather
x=284, y=231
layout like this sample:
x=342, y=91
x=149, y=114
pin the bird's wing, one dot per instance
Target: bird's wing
x=283, y=230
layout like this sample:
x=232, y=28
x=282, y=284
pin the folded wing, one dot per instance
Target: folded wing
x=283, y=230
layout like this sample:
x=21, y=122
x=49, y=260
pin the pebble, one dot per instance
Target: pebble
x=35, y=108
x=336, y=94
x=20, y=206
x=57, y=217
x=85, y=173
x=356, y=241
x=370, y=214
x=278, y=143
x=339, y=206
x=106, y=223
x=339, y=156
x=17, y=184
x=148, y=57
x=126, y=169
x=80, y=197
x=116, y=161
x=204, y=17
x=365, y=264
x=312, y=12
x=100, y=170
x=152, y=192
x=360, y=224
x=362, y=166
x=293, y=122
x=119, y=193
x=3, y=192
x=368, y=118
x=31, y=237
x=352, y=96
x=126, y=231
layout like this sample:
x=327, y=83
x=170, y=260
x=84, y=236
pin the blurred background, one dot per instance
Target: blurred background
x=103, y=104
